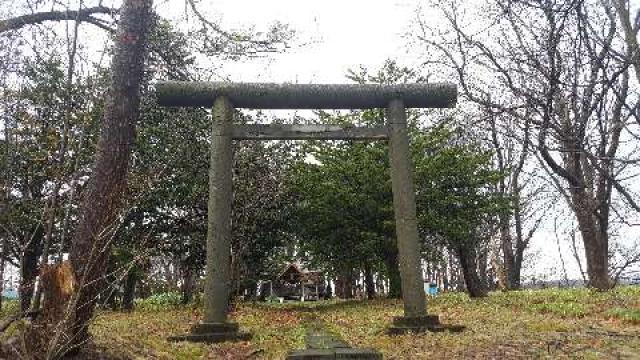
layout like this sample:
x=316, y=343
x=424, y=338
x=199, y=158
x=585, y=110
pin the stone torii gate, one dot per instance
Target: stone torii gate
x=224, y=97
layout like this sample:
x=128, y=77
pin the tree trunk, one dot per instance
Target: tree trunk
x=344, y=284
x=3, y=256
x=482, y=266
x=129, y=290
x=596, y=242
x=188, y=284
x=58, y=286
x=507, y=252
x=91, y=244
x=4, y=207
x=29, y=267
x=516, y=274
x=445, y=276
x=395, y=283
x=474, y=285
x=500, y=272
x=109, y=296
x=369, y=283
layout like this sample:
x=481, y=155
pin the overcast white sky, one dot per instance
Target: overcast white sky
x=339, y=35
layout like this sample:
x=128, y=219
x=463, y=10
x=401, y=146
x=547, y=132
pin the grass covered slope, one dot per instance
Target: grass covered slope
x=550, y=323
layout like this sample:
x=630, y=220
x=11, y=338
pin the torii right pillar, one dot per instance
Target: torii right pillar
x=415, y=317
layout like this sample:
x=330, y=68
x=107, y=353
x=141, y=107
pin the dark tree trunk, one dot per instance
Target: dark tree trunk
x=369, y=283
x=445, y=277
x=29, y=266
x=482, y=266
x=516, y=282
x=507, y=252
x=591, y=203
x=2, y=256
x=344, y=285
x=28, y=273
x=391, y=263
x=110, y=298
x=129, y=290
x=474, y=285
x=188, y=284
x=593, y=226
x=522, y=241
x=91, y=244
x=596, y=247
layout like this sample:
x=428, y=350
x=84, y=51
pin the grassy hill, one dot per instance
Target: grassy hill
x=549, y=323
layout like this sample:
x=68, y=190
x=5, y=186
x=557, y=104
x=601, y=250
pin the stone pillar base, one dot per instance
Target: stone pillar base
x=419, y=324
x=213, y=333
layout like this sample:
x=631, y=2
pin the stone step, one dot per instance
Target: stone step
x=331, y=354
x=323, y=346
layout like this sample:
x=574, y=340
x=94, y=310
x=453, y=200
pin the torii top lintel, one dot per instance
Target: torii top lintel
x=306, y=96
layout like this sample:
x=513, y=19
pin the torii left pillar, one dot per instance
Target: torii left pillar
x=215, y=326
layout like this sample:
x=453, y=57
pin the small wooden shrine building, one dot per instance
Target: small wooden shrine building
x=295, y=282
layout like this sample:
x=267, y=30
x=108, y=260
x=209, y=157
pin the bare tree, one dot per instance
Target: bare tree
x=557, y=67
x=630, y=26
x=512, y=152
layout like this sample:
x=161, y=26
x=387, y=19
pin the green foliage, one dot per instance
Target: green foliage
x=625, y=314
x=561, y=309
x=39, y=116
x=345, y=213
x=160, y=302
x=9, y=307
x=453, y=185
x=344, y=218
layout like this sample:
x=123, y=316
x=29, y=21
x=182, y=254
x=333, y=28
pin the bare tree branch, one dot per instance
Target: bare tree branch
x=83, y=15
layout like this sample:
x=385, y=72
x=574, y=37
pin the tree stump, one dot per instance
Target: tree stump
x=47, y=333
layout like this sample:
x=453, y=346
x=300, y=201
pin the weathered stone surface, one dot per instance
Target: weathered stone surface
x=306, y=96
x=206, y=328
x=419, y=324
x=325, y=341
x=323, y=345
x=340, y=353
x=404, y=207
x=312, y=354
x=425, y=320
x=213, y=333
x=218, y=267
x=361, y=354
x=401, y=330
x=307, y=132
x=213, y=337
x=215, y=327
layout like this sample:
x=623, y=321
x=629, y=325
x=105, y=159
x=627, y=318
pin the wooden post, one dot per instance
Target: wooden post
x=404, y=204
